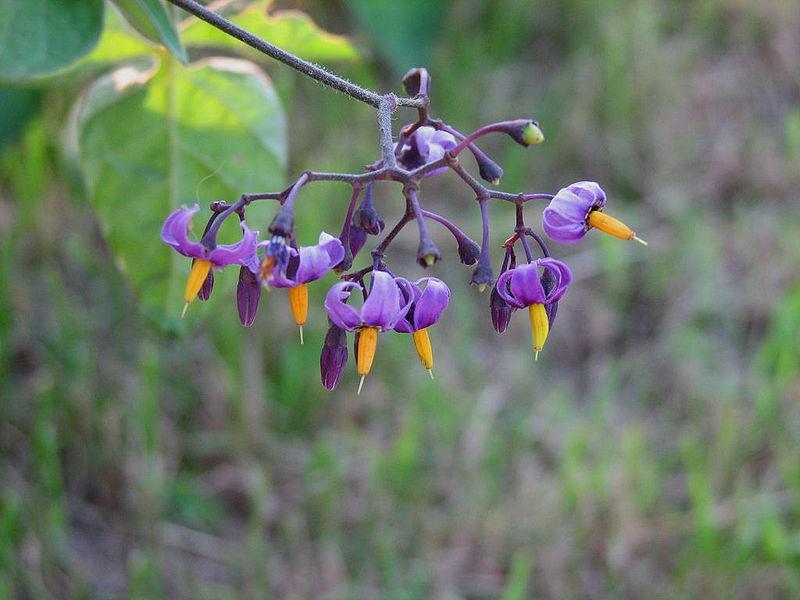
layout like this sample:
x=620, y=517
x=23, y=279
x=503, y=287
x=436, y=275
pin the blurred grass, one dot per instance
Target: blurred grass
x=652, y=452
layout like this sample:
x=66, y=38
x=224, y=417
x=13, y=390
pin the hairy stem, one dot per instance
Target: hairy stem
x=306, y=68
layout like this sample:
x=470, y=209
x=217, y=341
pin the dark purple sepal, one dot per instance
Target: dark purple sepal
x=248, y=293
x=346, y=262
x=501, y=311
x=366, y=216
x=489, y=170
x=427, y=253
x=207, y=287
x=283, y=223
x=468, y=251
x=482, y=275
x=417, y=80
x=333, y=358
x=357, y=239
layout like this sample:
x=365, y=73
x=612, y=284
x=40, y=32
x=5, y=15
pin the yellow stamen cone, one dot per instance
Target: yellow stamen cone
x=367, y=343
x=298, y=300
x=197, y=276
x=422, y=341
x=540, y=327
x=611, y=226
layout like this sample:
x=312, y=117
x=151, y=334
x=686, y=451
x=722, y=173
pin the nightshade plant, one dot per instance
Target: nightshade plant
x=423, y=148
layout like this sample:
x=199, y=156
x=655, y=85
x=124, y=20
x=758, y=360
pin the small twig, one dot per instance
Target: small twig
x=306, y=68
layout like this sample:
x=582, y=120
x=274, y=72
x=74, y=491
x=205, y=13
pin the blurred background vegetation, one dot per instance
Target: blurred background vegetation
x=652, y=450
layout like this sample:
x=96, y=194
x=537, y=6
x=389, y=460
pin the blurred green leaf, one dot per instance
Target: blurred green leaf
x=403, y=32
x=293, y=31
x=150, y=18
x=39, y=38
x=148, y=136
x=18, y=106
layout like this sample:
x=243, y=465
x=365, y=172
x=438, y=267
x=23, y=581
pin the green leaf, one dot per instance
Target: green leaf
x=404, y=32
x=291, y=30
x=40, y=37
x=118, y=43
x=150, y=18
x=152, y=137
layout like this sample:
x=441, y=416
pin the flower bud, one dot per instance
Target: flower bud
x=283, y=223
x=531, y=134
x=489, y=170
x=357, y=239
x=208, y=285
x=468, y=251
x=367, y=217
x=523, y=131
x=500, y=311
x=482, y=275
x=415, y=80
x=427, y=253
x=248, y=293
x=333, y=357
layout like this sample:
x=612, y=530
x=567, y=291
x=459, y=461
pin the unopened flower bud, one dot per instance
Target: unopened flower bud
x=367, y=217
x=531, y=134
x=482, y=276
x=500, y=311
x=468, y=251
x=357, y=239
x=283, y=223
x=489, y=170
x=427, y=253
x=333, y=357
x=415, y=80
x=208, y=285
x=248, y=293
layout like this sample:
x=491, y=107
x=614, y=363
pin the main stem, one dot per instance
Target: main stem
x=306, y=68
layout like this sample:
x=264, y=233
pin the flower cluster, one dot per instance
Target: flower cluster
x=372, y=300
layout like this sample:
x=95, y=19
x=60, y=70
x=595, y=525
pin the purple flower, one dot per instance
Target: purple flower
x=426, y=145
x=565, y=220
x=522, y=286
x=175, y=233
x=383, y=308
x=309, y=263
x=426, y=305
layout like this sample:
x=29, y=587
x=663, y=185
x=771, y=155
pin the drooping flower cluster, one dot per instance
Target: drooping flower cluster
x=372, y=300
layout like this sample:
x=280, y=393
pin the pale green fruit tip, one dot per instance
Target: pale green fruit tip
x=531, y=134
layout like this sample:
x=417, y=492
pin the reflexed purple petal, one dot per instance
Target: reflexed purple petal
x=248, y=293
x=280, y=277
x=316, y=261
x=175, y=232
x=239, y=253
x=564, y=220
x=525, y=285
x=444, y=140
x=503, y=289
x=382, y=306
x=343, y=315
x=431, y=303
x=408, y=294
x=562, y=275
